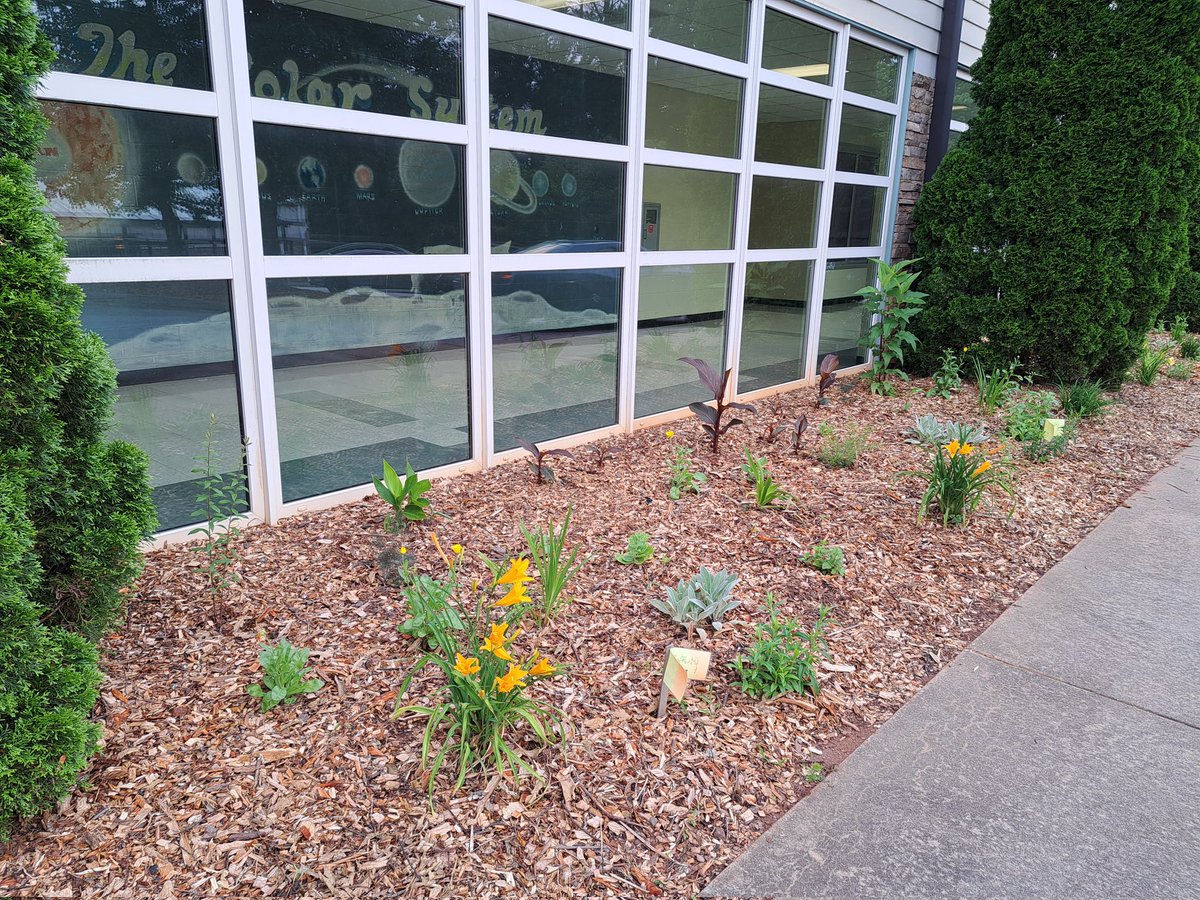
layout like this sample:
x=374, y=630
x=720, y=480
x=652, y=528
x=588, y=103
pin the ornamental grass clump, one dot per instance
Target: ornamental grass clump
x=959, y=477
x=486, y=705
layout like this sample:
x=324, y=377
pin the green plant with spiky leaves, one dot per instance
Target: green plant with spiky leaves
x=555, y=564
x=1149, y=364
x=767, y=492
x=1083, y=399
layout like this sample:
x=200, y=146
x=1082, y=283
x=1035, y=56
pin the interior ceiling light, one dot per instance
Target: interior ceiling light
x=815, y=71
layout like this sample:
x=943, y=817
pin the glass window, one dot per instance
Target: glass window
x=871, y=71
x=774, y=323
x=172, y=343
x=857, y=217
x=164, y=42
x=964, y=107
x=681, y=312
x=555, y=204
x=606, y=12
x=402, y=58
x=791, y=128
x=796, y=48
x=691, y=209
x=367, y=369
x=864, y=141
x=714, y=26
x=783, y=213
x=952, y=141
x=554, y=353
x=844, y=317
x=123, y=182
x=543, y=82
x=692, y=110
x=336, y=192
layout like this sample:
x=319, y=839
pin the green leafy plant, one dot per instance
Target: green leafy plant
x=947, y=380
x=1042, y=449
x=958, y=479
x=1179, y=328
x=683, y=479
x=1083, y=399
x=783, y=657
x=712, y=417
x=285, y=676
x=638, y=550
x=766, y=492
x=1026, y=413
x=406, y=496
x=538, y=465
x=554, y=563
x=430, y=612
x=995, y=385
x=842, y=452
x=703, y=597
x=826, y=558
x=826, y=376
x=1149, y=364
x=814, y=773
x=1189, y=347
x=892, y=306
x=928, y=430
x=485, y=698
x=221, y=498
x=1180, y=370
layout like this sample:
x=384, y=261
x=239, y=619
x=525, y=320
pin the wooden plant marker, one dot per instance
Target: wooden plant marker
x=683, y=665
x=1053, y=428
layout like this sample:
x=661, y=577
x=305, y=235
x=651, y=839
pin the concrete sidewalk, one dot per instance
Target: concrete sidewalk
x=1057, y=757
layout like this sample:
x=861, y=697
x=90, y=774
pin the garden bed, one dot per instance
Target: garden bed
x=197, y=793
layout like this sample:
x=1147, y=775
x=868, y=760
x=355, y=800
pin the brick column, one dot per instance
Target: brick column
x=912, y=171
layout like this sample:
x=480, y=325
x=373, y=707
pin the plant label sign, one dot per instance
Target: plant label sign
x=683, y=665
x=1053, y=428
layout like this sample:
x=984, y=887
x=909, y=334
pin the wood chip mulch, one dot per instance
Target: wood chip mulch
x=198, y=794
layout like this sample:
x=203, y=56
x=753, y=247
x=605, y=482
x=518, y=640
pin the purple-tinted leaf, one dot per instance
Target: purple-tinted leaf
x=531, y=448
x=829, y=363
x=707, y=427
x=749, y=407
x=567, y=453
x=779, y=431
x=703, y=412
x=706, y=373
x=730, y=424
x=720, y=394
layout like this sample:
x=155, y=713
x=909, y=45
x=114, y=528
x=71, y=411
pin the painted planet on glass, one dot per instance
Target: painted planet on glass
x=260, y=170
x=569, y=185
x=508, y=187
x=541, y=183
x=364, y=177
x=428, y=173
x=311, y=173
x=191, y=168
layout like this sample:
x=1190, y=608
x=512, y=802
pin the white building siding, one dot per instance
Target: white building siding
x=975, y=23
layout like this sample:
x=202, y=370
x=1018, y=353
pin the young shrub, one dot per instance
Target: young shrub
x=1044, y=448
x=1180, y=370
x=783, y=658
x=1060, y=262
x=554, y=563
x=826, y=376
x=406, y=496
x=220, y=498
x=826, y=558
x=891, y=307
x=485, y=699
x=704, y=597
x=1026, y=414
x=958, y=479
x=538, y=465
x=947, y=380
x=683, y=479
x=842, y=452
x=1179, y=328
x=1083, y=399
x=285, y=676
x=638, y=550
x=1149, y=364
x=1189, y=347
x=603, y=453
x=766, y=492
x=712, y=417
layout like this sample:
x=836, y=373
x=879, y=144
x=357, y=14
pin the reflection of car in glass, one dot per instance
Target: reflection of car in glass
x=399, y=284
x=570, y=290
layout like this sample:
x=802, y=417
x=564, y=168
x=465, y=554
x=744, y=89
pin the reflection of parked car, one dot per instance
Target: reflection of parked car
x=401, y=283
x=571, y=290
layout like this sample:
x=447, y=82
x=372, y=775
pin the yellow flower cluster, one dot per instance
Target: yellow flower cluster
x=516, y=578
x=954, y=448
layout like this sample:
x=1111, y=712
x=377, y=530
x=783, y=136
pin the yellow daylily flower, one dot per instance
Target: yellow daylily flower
x=518, y=571
x=542, y=667
x=981, y=468
x=516, y=594
x=952, y=448
x=466, y=665
x=494, y=642
x=966, y=449
x=513, y=678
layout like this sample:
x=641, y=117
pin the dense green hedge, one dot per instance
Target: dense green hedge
x=1185, y=297
x=73, y=506
x=1054, y=232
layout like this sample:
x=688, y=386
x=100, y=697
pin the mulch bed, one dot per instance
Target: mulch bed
x=197, y=793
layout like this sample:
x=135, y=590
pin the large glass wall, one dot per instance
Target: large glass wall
x=423, y=230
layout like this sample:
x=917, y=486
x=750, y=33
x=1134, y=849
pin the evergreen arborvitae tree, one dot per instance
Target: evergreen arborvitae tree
x=1185, y=297
x=1054, y=232
x=73, y=506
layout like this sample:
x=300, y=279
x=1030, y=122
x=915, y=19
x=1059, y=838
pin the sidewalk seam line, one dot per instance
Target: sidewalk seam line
x=1039, y=673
